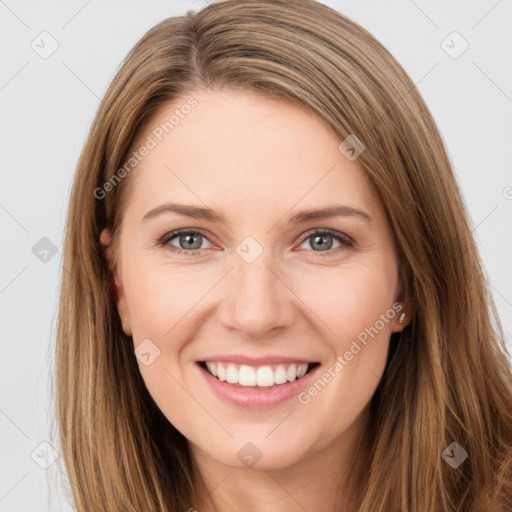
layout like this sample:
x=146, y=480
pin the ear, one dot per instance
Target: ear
x=402, y=316
x=403, y=307
x=119, y=295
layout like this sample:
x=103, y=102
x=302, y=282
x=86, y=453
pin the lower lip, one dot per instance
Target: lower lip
x=256, y=398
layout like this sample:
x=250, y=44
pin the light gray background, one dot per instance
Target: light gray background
x=47, y=106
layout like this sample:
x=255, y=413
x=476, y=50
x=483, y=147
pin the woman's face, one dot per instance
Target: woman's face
x=258, y=285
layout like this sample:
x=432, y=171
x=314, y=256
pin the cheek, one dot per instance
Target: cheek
x=161, y=302
x=355, y=306
x=349, y=299
x=164, y=303
x=160, y=297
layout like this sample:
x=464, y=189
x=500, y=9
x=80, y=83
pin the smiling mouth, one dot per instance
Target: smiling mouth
x=262, y=377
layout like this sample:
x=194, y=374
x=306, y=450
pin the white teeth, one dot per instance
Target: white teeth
x=280, y=376
x=246, y=376
x=301, y=370
x=264, y=376
x=292, y=372
x=221, y=373
x=231, y=374
x=213, y=368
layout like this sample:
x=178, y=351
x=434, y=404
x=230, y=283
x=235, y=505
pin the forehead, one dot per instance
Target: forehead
x=244, y=150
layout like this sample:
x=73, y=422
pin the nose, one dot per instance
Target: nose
x=258, y=301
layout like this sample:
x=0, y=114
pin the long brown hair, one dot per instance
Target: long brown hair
x=447, y=377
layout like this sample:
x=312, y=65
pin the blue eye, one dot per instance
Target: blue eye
x=323, y=241
x=190, y=241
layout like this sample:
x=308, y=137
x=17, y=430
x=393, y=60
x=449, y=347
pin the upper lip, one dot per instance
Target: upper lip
x=256, y=361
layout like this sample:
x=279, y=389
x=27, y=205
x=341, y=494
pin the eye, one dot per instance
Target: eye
x=322, y=241
x=185, y=241
x=190, y=242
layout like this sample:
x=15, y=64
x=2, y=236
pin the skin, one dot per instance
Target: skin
x=258, y=161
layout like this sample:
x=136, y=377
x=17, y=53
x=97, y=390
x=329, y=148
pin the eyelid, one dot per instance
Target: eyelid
x=332, y=232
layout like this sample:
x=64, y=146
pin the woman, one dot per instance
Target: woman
x=272, y=298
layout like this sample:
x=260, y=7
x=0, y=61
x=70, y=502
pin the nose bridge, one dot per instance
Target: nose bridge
x=256, y=301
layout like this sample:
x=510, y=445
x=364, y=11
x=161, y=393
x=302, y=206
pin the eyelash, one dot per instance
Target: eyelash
x=346, y=241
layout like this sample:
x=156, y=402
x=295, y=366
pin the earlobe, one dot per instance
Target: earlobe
x=401, y=318
x=403, y=306
x=117, y=286
x=403, y=315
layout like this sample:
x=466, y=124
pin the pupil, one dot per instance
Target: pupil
x=188, y=241
x=325, y=245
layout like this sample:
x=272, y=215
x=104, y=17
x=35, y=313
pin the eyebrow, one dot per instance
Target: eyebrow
x=199, y=212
